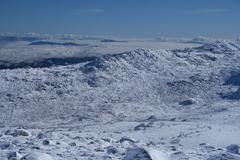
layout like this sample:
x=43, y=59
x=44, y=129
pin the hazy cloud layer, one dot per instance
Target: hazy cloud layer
x=213, y=10
x=96, y=10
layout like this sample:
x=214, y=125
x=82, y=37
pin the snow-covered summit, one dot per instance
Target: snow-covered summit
x=202, y=40
x=238, y=40
x=224, y=47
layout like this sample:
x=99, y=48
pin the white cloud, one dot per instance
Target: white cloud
x=91, y=10
x=213, y=10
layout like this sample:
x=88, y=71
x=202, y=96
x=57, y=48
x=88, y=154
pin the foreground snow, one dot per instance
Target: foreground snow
x=140, y=104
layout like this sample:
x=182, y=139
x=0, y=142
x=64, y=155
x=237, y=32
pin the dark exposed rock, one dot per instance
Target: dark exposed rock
x=46, y=142
x=186, y=102
x=13, y=156
x=4, y=145
x=18, y=132
x=72, y=144
x=111, y=150
x=137, y=154
x=224, y=156
x=123, y=139
x=142, y=126
x=233, y=148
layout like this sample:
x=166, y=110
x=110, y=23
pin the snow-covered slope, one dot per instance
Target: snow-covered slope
x=109, y=82
x=181, y=87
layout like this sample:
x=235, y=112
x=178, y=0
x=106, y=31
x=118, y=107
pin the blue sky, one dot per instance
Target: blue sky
x=124, y=18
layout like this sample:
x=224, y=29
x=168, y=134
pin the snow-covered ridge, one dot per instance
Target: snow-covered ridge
x=224, y=47
x=202, y=40
x=138, y=76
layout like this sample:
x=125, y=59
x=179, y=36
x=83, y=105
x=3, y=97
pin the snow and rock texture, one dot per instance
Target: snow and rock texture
x=145, y=104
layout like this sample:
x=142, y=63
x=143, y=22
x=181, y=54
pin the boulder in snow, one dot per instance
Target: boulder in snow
x=18, y=132
x=13, y=156
x=139, y=153
x=111, y=150
x=37, y=156
x=124, y=139
x=47, y=142
x=186, y=102
x=4, y=145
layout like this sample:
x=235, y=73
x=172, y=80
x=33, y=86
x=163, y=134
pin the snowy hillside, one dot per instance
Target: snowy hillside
x=172, y=103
